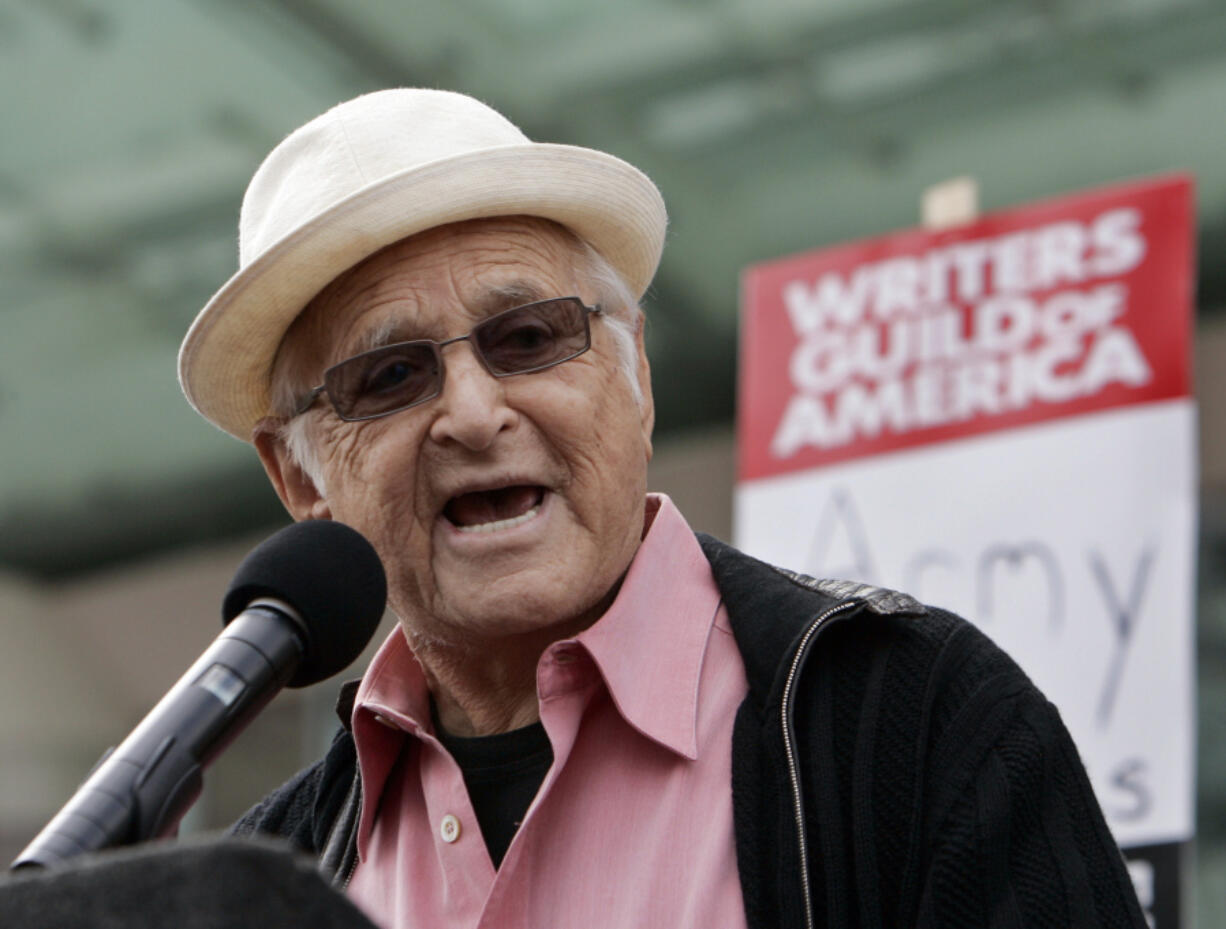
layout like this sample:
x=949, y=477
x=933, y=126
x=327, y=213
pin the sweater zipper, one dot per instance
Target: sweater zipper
x=790, y=747
x=351, y=847
x=353, y=866
x=341, y=881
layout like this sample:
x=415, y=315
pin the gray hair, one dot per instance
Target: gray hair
x=621, y=311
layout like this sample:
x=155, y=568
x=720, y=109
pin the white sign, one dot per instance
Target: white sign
x=1071, y=544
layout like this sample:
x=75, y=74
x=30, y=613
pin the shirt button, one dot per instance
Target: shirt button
x=449, y=829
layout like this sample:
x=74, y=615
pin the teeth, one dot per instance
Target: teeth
x=502, y=523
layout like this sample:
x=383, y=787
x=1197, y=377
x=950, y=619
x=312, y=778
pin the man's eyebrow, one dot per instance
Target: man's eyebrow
x=387, y=332
x=511, y=294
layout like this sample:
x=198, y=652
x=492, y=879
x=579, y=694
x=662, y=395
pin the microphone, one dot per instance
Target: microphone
x=301, y=607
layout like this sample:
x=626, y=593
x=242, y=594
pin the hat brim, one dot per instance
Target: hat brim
x=226, y=358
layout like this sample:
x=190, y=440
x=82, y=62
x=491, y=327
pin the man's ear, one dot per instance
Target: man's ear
x=647, y=410
x=292, y=484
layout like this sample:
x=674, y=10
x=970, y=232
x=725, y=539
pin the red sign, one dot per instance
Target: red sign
x=1054, y=309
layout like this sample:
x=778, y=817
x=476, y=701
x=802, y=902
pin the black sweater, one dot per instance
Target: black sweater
x=938, y=787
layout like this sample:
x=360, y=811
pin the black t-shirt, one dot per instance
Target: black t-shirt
x=502, y=772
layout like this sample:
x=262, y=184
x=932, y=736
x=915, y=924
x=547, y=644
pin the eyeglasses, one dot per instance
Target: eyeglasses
x=395, y=377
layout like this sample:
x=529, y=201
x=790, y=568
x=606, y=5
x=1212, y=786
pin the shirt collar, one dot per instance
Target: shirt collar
x=394, y=687
x=391, y=700
x=650, y=644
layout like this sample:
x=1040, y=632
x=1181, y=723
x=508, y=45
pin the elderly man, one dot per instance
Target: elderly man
x=588, y=716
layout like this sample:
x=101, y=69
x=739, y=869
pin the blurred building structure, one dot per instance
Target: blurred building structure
x=771, y=127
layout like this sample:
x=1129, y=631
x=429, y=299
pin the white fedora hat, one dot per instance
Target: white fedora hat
x=371, y=172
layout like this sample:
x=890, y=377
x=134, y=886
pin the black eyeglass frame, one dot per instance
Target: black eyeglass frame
x=437, y=348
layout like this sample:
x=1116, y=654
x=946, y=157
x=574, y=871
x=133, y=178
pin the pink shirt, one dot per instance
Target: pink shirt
x=633, y=823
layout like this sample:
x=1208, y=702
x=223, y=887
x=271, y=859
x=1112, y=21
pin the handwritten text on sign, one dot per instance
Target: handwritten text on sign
x=1090, y=592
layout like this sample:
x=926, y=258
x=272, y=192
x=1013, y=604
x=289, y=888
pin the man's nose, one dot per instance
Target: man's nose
x=472, y=408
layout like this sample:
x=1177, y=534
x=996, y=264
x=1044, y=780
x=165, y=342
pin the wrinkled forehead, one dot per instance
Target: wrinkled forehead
x=434, y=284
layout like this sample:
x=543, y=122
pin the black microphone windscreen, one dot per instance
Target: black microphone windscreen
x=331, y=576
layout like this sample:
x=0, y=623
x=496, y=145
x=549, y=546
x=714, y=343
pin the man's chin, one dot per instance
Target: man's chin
x=489, y=606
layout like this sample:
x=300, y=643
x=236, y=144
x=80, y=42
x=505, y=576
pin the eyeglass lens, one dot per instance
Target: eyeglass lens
x=517, y=341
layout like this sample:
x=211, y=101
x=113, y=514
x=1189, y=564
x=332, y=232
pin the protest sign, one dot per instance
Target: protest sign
x=998, y=419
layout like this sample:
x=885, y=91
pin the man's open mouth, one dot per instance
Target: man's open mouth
x=492, y=510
